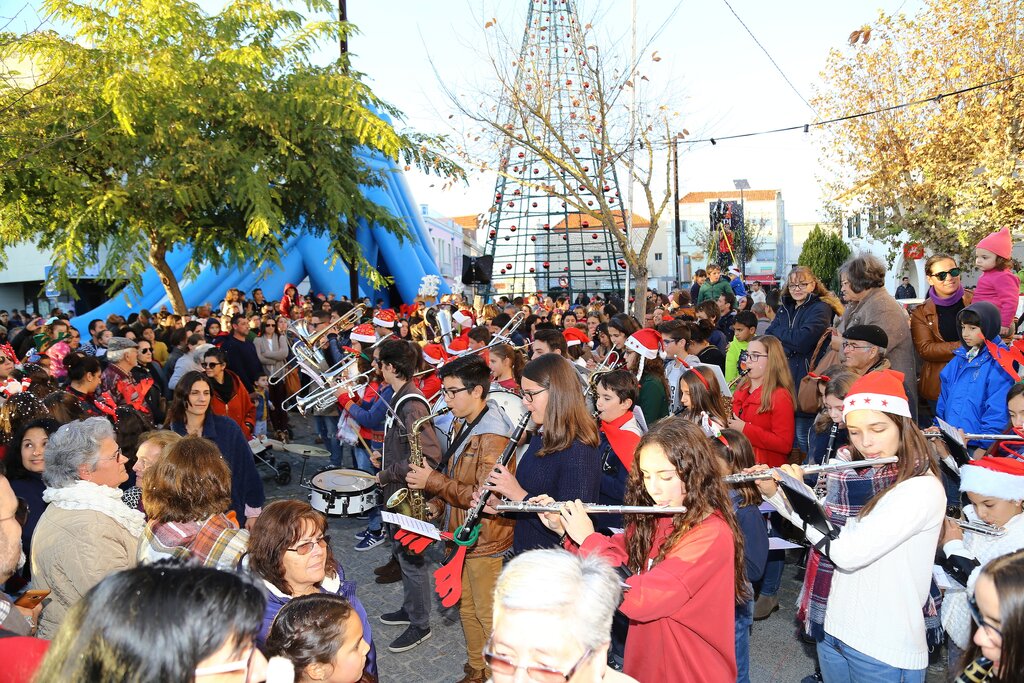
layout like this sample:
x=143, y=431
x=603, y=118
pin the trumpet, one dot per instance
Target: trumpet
x=834, y=466
x=592, y=508
x=979, y=527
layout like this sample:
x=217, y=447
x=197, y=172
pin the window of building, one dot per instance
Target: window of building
x=657, y=256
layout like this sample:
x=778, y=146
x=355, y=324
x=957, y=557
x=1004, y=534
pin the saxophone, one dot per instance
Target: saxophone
x=406, y=501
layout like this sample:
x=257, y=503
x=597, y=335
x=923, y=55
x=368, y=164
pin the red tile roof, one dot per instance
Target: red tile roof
x=471, y=222
x=576, y=219
x=748, y=195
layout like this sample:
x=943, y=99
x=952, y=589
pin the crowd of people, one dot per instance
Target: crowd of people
x=129, y=471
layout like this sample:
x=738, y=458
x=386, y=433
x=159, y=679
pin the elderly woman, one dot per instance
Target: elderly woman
x=805, y=311
x=290, y=551
x=933, y=324
x=87, y=532
x=150, y=447
x=192, y=414
x=862, y=281
x=552, y=616
x=186, y=495
x=864, y=349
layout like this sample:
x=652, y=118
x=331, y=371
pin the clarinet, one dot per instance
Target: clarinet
x=819, y=483
x=473, y=515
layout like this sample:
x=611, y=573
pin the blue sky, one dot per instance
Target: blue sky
x=714, y=74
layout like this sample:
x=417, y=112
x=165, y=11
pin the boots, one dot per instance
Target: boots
x=765, y=606
x=796, y=457
x=391, y=566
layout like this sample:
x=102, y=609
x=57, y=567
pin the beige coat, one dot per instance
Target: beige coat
x=72, y=550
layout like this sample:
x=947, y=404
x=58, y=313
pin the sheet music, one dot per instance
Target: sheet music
x=950, y=431
x=412, y=524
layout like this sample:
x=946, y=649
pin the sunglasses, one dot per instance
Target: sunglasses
x=210, y=365
x=942, y=274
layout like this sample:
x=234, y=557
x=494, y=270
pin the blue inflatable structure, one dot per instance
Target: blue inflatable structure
x=305, y=256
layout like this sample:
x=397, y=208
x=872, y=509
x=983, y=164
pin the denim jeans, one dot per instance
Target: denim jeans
x=802, y=425
x=744, y=621
x=773, y=568
x=840, y=663
x=327, y=428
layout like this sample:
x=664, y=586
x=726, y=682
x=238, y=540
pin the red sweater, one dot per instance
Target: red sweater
x=770, y=433
x=681, y=611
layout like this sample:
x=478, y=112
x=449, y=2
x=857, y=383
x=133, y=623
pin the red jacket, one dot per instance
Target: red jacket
x=240, y=408
x=770, y=433
x=681, y=611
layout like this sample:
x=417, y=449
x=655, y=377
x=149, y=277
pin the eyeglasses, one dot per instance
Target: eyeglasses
x=942, y=274
x=756, y=356
x=801, y=285
x=849, y=345
x=450, y=393
x=972, y=605
x=674, y=341
x=531, y=395
x=307, y=547
x=116, y=456
x=210, y=365
x=501, y=666
x=227, y=667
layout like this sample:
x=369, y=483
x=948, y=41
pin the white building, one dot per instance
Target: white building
x=762, y=208
x=450, y=240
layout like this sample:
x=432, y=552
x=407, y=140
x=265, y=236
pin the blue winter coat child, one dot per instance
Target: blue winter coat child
x=972, y=394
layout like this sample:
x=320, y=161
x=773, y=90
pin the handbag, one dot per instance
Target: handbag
x=292, y=382
x=807, y=397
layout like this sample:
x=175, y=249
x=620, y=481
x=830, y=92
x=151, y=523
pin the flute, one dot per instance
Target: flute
x=979, y=527
x=979, y=437
x=592, y=508
x=742, y=478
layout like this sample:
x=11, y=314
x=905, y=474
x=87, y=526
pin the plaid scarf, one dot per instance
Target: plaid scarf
x=214, y=542
x=847, y=493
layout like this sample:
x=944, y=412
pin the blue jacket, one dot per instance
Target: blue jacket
x=972, y=394
x=799, y=328
x=738, y=288
x=371, y=414
x=246, y=485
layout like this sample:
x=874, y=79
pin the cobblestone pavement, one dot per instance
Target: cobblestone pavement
x=777, y=655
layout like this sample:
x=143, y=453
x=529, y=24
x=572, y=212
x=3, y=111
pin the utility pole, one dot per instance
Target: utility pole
x=678, y=223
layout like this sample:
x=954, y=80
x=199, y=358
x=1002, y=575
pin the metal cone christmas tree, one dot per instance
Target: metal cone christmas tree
x=544, y=229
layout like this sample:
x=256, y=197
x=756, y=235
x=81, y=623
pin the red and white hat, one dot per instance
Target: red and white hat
x=434, y=354
x=385, y=317
x=646, y=342
x=1001, y=478
x=457, y=346
x=880, y=390
x=464, y=317
x=575, y=336
x=364, y=333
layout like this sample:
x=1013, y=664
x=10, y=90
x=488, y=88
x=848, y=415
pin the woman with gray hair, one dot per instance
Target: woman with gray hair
x=86, y=532
x=552, y=618
x=862, y=283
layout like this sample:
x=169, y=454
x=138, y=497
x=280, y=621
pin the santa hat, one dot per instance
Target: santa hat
x=457, y=346
x=464, y=317
x=1001, y=478
x=734, y=271
x=575, y=336
x=385, y=317
x=647, y=343
x=880, y=390
x=999, y=243
x=434, y=354
x=364, y=333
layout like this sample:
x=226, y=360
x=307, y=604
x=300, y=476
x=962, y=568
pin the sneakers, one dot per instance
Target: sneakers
x=409, y=639
x=360, y=535
x=370, y=540
x=396, y=618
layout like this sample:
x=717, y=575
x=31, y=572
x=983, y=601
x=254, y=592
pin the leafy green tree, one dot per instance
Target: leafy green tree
x=154, y=125
x=823, y=252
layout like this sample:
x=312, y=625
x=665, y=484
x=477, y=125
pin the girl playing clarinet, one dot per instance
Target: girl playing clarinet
x=686, y=570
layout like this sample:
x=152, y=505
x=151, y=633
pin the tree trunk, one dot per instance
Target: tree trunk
x=157, y=259
x=639, y=307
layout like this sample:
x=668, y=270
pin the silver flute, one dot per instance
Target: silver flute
x=979, y=527
x=592, y=508
x=979, y=437
x=742, y=478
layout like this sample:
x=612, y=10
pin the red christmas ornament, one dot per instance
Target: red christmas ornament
x=586, y=224
x=622, y=263
x=512, y=228
x=533, y=238
x=502, y=271
x=492, y=233
x=532, y=270
x=546, y=264
x=566, y=269
x=547, y=226
x=508, y=266
x=598, y=269
x=590, y=261
x=593, y=235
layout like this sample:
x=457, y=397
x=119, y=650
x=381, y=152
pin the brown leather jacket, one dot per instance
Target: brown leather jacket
x=466, y=471
x=932, y=349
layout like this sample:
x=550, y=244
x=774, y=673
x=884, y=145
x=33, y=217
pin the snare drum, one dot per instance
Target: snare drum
x=343, y=492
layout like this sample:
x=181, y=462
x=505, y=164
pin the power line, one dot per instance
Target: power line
x=770, y=58
x=714, y=140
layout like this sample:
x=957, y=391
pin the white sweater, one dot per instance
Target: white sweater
x=956, y=618
x=883, y=572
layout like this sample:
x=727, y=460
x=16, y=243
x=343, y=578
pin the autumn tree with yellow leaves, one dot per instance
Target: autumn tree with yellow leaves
x=947, y=171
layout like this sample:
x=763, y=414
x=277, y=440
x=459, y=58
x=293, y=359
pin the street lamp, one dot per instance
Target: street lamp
x=742, y=184
x=675, y=195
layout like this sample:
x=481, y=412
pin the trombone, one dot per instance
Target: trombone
x=305, y=354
